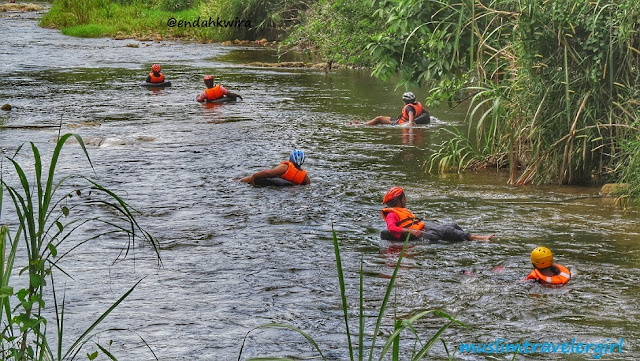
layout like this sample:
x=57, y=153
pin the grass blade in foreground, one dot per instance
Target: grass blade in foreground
x=280, y=325
x=343, y=296
x=386, y=296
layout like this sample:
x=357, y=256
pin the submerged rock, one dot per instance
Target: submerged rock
x=6, y=107
x=100, y=141
x=19, y=7
x=613, y=189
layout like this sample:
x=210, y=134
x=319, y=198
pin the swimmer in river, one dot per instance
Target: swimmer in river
x=401, y=222
x=411, y=110
x=545, y=271
x=291, y=171
x=214, y=92
x=155, y=76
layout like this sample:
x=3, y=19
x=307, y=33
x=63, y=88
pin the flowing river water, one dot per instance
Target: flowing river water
x=236, y=257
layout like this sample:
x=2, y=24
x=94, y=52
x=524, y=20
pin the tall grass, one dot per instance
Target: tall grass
x=554, y=82
x=93, y=18
x=44, y=222
x=392, y=343
x=337, y=31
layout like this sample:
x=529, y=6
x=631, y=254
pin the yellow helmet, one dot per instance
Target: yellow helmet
x=541, y=257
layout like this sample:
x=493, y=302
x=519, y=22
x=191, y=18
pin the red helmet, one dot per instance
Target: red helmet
x=392, y=194
x=155, y=67
x=208, y=77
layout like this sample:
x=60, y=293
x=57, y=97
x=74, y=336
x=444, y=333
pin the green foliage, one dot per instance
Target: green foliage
x=628, y=170
x=176, y=5
x=133, y=18
x=88, y=30
x=44, y=222
x=337, y=30
x=560, y=75
x=268, y=18
x=393, y=342
x=424, y=41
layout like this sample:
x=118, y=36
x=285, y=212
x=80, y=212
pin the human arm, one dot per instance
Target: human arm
x=230, y=94
x=267, y=173
x=202, y=97
x=306, y=180
x=233, y=95
x=411, y=112
x=148, y=80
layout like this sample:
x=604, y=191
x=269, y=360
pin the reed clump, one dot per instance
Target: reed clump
x=552, y=84
x=48, y=219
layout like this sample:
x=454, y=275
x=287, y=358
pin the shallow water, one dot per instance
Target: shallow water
x=236, y=257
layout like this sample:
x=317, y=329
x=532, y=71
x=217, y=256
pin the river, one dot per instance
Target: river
x=236, y=257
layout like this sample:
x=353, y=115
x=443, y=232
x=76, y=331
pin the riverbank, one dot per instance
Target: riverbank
x=19, y=7
x=333, y=32
x=130, y=22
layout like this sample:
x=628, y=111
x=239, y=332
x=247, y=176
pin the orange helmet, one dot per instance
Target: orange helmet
x=155, y=68
x=208, y=77
x=392, y=194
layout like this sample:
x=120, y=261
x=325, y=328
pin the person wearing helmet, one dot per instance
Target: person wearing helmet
x=289, y=172
x=214, y=92
x=545, y=271
x=155, y=76
x=401, y=222
x=411, y=110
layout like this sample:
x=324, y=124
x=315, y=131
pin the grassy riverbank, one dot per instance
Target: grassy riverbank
x=336, y=31
x=136, y=20
x=205, y=20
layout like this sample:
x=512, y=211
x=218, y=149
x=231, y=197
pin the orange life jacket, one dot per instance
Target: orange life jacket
x=214, y=93
x=405, y=117
x=563, y=277
x=156, y=79
x=293, y=174
x=407, y=219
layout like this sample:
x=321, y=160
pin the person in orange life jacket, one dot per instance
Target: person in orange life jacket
x=545, y=271
x=155, y=76
x=401, y=222
x=214, y=92
x=411, y=110
x=290, y=170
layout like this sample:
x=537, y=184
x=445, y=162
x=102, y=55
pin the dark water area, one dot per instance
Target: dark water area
x=236, y=257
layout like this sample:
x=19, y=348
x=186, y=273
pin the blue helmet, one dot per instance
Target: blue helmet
x=297, y=157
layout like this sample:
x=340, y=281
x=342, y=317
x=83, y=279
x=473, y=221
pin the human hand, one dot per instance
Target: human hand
x=416, y=232
x=250, y=179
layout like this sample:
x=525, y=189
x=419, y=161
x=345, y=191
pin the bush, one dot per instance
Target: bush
x=337, y=30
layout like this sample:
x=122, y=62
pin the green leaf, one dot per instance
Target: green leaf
x=53, y=250
x=37, y=281
x=6, y=291
x=92, y=356
x=65, y=211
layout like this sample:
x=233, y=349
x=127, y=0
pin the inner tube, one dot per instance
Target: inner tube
x=275, y=182
x=224, y=99
x=424, y=118
x=156, y=85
